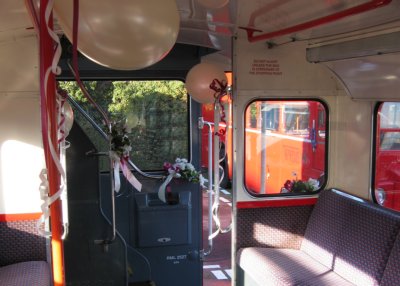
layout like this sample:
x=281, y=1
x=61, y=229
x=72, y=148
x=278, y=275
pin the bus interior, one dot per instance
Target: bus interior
x=199, y=142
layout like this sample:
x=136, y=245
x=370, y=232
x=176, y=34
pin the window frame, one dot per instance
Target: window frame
x=375, y=148
x=189, y=106
x=326, y=140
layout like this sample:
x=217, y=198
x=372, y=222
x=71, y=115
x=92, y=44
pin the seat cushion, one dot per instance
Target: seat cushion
x=342, y=227
x=25, y=274
x=274, y=266
x=366, y=243
x=391, y=275
x=326, y=226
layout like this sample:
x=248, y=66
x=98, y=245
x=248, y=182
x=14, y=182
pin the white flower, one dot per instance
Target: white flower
x=190, y=166
x=314, y=183
x=202, y=181
x=181, y=160
x=177, y=175
x=181, y=166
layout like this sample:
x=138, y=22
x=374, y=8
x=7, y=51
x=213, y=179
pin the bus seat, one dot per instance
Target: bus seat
x=23, y=254
x=391, y=275
x=25, y=274
x=347, y=241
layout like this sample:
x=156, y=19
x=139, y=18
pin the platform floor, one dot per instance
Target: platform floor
x=217, y=266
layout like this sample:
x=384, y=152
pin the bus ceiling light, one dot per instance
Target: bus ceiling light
x=122, y=34
x=371, y=46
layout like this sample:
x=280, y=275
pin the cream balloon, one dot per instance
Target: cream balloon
x=213, y=4
x=198, y=81
x=69, y=118
x=122, y=34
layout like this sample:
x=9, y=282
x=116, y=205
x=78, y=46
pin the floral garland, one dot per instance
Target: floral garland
x=299, y=186
x=120, y=143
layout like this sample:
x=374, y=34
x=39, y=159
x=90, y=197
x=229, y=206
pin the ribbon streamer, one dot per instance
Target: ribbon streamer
x=121, y=163
x=163, y=187
x=44, y=186
x=129, y=176
x=221, y=89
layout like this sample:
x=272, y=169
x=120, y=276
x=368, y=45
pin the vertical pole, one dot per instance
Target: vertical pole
x=210, y=190
x=49, y=115
x=216, y=152
x=263, y=142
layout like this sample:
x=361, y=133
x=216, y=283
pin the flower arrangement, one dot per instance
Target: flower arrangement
x=299, y=186
x=181, y=169
x=120, y=143
x=119, y=154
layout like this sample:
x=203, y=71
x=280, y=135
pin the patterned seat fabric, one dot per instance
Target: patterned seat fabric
x=391, y=275
x=25, y=274
x=274, y=266
x=348, y=241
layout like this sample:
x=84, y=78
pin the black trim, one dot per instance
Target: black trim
x=322, y=187
x=374, y=142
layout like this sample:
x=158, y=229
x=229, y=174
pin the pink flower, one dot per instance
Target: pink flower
x=167, y=166
x=288, y=185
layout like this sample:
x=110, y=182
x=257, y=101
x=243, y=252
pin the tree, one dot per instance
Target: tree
x=155, y=110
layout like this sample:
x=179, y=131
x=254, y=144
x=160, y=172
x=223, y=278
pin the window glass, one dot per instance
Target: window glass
x=296, y=118
x=285, y=152
x=156, y=112
x=387, y=155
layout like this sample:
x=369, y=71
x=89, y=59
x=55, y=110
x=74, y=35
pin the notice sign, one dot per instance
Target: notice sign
x=265, y=67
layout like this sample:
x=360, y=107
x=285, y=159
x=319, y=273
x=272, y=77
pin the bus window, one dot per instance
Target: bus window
x=156, y=112
x=271, y=116
x=387, y=155
x=285, y=153
x=296, y=118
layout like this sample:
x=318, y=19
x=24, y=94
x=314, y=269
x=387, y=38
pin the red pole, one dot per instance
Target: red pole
x=49, y=124
x=371, y=5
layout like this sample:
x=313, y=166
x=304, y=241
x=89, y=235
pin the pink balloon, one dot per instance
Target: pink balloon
x=198, y=81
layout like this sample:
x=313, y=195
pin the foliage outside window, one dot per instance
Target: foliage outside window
x=387, y=154
x=156, y=112
x=285, y=151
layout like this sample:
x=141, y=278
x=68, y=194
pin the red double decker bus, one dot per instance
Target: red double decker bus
x=284, y=140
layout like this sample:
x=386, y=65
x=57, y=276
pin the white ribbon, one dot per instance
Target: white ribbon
x=117, y=181
x=44, y=185
x=173, y=174
x=162, y=188
x=129, y=176
x=120, y=164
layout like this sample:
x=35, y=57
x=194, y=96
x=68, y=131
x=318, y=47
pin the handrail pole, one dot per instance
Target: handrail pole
x=371, y=5
x=210, y=188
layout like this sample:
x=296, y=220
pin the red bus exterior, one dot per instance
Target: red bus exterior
x=387, y=166
x=294, y=138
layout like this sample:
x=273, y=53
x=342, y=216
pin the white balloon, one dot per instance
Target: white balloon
x=198, y=81
x=69, y=118
x=213, y=4
x=122, y=34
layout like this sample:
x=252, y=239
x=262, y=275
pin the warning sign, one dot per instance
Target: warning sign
x=265, y=67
